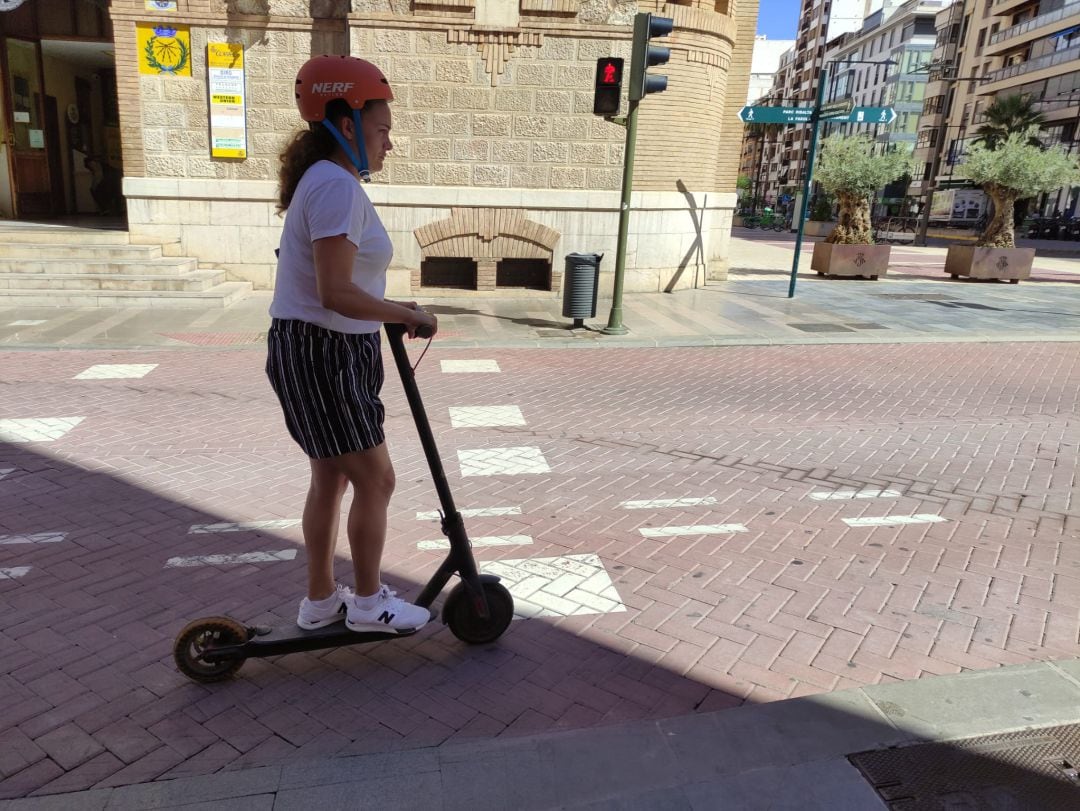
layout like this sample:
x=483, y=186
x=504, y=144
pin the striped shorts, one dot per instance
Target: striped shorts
x=328, y=384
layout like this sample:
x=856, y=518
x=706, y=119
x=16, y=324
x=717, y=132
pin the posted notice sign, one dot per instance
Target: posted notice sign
x=228, y=118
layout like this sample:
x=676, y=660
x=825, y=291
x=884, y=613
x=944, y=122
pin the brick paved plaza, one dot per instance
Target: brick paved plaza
x=684, y=529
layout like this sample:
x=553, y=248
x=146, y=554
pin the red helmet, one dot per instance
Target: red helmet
x=325, y=78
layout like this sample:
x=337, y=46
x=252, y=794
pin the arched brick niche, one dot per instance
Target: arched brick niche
x=486, y=249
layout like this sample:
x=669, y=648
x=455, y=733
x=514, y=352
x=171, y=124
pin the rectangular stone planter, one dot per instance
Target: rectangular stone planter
x=818, y=228
x=850, y=260
x=1006, y=264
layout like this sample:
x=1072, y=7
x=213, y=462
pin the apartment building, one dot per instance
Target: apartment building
x=783, y=149
x=989, y=49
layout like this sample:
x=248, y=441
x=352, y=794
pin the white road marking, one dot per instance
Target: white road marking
x=41, y=429
x=501, y=461
x=565, y=586
x=895, y=520
x=485, y=416
x=489, y=540
x=661, y=503
x=36, y=537
x=6, y=470
x=225, y=560
x=697, y=529
x=11, y=574
x=25, y=323
x=115, y=371
x=475, y=512
x=846, y=494
x=469, y=366
x=243, y=526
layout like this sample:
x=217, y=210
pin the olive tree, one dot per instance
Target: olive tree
x=849, y=170
x=1015, y=169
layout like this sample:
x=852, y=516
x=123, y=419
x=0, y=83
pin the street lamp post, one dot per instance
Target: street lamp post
x=935, y=165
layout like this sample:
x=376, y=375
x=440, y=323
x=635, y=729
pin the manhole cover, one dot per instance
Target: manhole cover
x=821, y=327
x=1014, y=771
x=968, y=304
x=915, y=296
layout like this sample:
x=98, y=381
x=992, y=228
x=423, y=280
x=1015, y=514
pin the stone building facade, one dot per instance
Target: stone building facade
x=499, y=167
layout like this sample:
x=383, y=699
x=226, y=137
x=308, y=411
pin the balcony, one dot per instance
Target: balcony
x=1030, y=29
x=1004, y=7
x=1032, y=65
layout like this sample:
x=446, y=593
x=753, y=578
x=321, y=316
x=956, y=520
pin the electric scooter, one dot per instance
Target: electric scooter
x=477, y=610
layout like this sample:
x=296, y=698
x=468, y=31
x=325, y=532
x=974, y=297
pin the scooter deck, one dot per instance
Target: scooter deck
x=267, y=641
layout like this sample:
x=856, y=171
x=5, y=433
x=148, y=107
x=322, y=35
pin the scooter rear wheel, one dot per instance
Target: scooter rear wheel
x=199, y=635
x=464, y=619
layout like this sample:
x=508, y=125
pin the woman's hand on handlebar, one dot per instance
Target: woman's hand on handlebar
x=420, y=324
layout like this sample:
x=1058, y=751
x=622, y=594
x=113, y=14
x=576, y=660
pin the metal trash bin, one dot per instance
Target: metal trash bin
x=581, y=282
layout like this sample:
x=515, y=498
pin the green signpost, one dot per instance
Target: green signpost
x=835, y=112
x=776, y=115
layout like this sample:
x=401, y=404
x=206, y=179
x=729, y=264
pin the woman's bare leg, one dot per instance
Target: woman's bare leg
x=372, y=476
x=321, y=512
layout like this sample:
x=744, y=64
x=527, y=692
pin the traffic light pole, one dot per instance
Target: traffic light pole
x=615, y=317
x=814, y=123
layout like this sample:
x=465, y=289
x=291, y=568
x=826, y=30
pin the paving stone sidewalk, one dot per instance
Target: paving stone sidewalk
x=914, y=302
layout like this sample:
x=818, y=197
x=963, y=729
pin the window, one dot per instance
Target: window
x=530, y=274
x=448, y=272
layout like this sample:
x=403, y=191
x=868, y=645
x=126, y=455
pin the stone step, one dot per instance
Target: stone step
x=57, y=235
x=196, y=280
x=169, y=265
x=219, y=296
x=48, y=250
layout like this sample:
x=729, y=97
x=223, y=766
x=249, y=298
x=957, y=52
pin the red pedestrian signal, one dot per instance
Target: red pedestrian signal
x=608, y=91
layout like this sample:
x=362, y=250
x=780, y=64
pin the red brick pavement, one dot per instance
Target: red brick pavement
x=984, y=435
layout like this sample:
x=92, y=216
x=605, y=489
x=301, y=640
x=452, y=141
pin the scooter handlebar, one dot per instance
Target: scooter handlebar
x=399, y=331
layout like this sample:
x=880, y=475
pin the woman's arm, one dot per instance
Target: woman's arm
x=334, y=257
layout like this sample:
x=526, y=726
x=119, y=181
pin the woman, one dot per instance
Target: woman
x=324, y=360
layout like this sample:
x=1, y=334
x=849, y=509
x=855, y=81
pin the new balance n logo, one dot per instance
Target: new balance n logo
x=386, y=617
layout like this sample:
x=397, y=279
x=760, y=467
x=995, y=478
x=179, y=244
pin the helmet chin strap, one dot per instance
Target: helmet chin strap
x=360, y=160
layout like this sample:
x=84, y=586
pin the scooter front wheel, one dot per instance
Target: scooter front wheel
x=463, y=616
x=198, y=637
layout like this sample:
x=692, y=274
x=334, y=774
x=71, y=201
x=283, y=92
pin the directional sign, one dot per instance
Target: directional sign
x=840, y=107
x=869, y=115
x=776, y=115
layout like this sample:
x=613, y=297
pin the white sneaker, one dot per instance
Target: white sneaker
x=389, y=614
x=324, y=612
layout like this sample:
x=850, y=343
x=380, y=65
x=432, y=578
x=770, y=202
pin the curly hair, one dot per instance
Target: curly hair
x=308, y=147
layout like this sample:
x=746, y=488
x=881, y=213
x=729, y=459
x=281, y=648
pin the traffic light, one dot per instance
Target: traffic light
x=646, y=26
x=608, y=86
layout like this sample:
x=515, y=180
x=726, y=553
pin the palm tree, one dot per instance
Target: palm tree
x=1006, y=115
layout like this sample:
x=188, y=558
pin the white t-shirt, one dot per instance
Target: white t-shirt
x=329, y=201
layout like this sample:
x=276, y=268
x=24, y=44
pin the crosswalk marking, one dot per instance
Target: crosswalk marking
x=847, y=494
x=36, y=429
x=501, y=461
x=661, y=503
x=570, y=585
x=36, y=537
x=895, y=520
x=697, y=529
x=489, y=540
x=485, y=416
x=475, y=512
x=115, y=371
x=244, y=526
x=226, y=560
x=469, y=366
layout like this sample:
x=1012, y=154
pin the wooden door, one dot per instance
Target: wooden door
x=31, y=186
